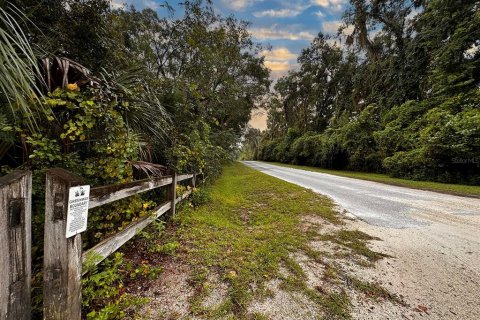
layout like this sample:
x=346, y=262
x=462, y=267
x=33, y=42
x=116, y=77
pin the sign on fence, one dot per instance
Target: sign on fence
x=77, y=212
x=65, y=218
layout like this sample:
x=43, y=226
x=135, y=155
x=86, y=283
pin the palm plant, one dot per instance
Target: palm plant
x=145, y=113
x=18, y=86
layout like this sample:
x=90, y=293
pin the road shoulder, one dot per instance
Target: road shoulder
x=262, y=248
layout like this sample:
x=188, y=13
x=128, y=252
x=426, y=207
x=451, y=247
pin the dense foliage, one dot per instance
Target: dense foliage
x=397, y=91
x=129, y=87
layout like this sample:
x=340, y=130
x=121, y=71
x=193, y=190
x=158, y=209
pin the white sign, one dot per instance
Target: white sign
x=77, y=213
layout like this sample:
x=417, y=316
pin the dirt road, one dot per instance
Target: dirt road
x=434, y=239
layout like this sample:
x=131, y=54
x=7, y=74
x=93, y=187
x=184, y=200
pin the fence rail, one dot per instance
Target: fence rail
x=108, y=246
x=63, y=257
x=107, y=194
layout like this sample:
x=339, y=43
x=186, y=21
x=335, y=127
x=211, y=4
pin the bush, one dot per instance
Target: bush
x=102, y=291
x=442, y=145
x=200, y=197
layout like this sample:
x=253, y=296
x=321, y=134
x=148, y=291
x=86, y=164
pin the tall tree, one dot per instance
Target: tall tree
x=449, y=32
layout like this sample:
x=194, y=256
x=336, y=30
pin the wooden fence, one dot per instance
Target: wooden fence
x=63, y=257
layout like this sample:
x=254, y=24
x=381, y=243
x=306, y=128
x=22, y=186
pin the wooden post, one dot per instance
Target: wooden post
x=62, y=290
x=15, y=245
x=194, y=180
x=172, y=192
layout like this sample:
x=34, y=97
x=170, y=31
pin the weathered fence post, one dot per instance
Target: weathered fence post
x=172, y=192
x=15, y=245
x=62, y=290
x=194, y=180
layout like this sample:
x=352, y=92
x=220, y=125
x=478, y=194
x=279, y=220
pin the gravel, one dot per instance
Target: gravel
x=434, y=239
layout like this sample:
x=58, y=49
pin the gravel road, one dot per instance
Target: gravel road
x=434, y=239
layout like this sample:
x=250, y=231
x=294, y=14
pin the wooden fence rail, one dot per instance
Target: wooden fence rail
x=63, y=257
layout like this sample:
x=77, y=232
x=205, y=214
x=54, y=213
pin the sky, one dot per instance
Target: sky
x=286, y=26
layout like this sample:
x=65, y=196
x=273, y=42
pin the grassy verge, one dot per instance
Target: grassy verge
x=245, y=236
x=455, y=189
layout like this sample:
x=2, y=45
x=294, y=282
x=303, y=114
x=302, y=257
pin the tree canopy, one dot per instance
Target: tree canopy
x=396, y=91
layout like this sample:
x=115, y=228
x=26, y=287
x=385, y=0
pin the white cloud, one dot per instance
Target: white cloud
x=472, y=51
x=281, y=13
x=319, y=14
x=280, y=61
x=323, y=3
x=152, y=4
x=277, y=65
x=139, y=4
x=278, y=54
x=273, y=33
x=335, y=5
x=277, y=74
x=116, y=4
x=331, y=27
x=239, y=5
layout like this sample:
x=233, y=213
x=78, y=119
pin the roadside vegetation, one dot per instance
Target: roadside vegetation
x=114, y=95
x=251, y=242
x=396, y=92
x=455, y=189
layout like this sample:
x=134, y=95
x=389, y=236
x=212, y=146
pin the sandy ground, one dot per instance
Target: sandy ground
x=434, y=239
x=436, y=269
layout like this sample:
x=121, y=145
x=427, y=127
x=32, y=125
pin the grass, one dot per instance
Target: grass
x=356, y=241
x=245, y=233
x=455, y=189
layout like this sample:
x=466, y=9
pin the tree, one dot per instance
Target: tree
x=251, y=144
x=448, y=31
x=401, y=97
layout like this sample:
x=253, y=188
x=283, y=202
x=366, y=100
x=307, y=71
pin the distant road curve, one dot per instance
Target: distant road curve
x=376, y=203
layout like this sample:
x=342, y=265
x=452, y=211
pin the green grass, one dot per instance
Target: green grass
x=356, y=241
x=455, y=189
x=245, y=233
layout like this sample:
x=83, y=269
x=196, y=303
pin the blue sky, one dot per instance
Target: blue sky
x=286, y=25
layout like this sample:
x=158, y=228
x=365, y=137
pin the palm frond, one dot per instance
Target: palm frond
x=150, y=169
x=17, y=68
x=144, y=112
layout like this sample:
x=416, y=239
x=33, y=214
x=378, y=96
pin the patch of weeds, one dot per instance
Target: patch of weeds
x=199, y=197
x=143, y=270
x=168, y=248
x=257, y=316
x=373, y=290
x=149, y=237
x=356, y=241
x=335, y=305
x=295, y=268
x=103, y=293
x=199, y=281
x=331, y=273
x=313, y=254
x=264, y=293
